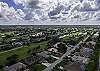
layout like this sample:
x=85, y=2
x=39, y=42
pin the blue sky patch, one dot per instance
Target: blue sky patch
x=12, y=4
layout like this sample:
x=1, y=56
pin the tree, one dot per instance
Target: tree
x=62, y=47
x=77, y=50
x=54, y=40
x=50, y=59
x=94, y=59
x=91, y=66
x=37, y=49
x=66, y=60
x=29, y=51
x=1, y=66
x=12, y=60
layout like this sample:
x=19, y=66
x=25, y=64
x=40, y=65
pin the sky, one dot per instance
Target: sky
x=11, y=3
x=49, y=12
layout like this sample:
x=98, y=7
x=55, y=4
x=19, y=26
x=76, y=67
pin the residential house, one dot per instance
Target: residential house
x=53, y=50
x=16, y=67
x=44, y=54
x=85, y=52
x=32, y=59
x=80, y=59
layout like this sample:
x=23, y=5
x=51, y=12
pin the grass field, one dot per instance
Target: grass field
x=21, y=52
x=38, y=67
x=4, y=33
x=70, y=35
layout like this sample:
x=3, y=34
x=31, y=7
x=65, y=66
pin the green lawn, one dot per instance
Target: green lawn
x=21, y=52
x=3, y=33
x=6, y=33
x=38, y=67
x=67, y=37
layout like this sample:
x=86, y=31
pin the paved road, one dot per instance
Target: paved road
x=49, y=68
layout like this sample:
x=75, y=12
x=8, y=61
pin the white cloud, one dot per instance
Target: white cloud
x=24, y=2
x=61, y=10
x=10, y=13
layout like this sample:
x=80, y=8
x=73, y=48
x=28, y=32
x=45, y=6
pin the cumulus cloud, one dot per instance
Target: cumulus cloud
x=33, y=4
x=28, y=3
x=56, y=11
x=89, y=6
x=10, y=13
x=53, y=10
x=24, y=2
x=97, y=3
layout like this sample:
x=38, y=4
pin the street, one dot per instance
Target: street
x=49, y=68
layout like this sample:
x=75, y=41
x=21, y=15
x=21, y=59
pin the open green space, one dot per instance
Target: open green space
x=4, y=34
x=21, y=52
x=11, y=35
x=8, y=33
x=38, y=67
x=94, y=59
x=68, y=36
